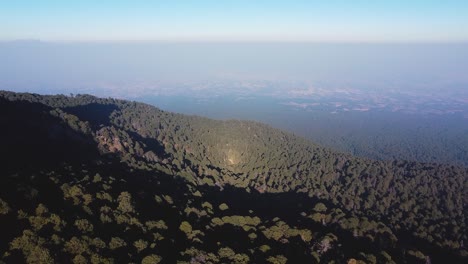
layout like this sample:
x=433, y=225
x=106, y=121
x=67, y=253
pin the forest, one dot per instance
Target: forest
x=102, y=180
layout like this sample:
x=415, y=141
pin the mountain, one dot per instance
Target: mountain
x=89, y=179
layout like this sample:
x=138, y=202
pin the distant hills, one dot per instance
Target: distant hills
x=89, y=179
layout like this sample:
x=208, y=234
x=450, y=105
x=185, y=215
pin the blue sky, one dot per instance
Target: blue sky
x=310, y=21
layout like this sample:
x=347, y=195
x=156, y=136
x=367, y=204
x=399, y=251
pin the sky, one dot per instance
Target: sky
x=114, y=47
x=240, y=20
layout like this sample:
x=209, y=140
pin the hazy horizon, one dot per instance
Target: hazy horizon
x=150, y=68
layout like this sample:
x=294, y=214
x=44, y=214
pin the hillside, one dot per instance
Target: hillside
x=104, y=180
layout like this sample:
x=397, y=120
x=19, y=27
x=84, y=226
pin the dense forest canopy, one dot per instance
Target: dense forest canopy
x=433, y=130
x=100, y=180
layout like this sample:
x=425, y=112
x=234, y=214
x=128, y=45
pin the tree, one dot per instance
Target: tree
x=279, y=259
x=125, y=202
x=151, y=259
x=226, y=252
x=186, y=227
x=116, y=242
x=223, y=207
x=320, y=207
x=140, y=244
x=84, y=225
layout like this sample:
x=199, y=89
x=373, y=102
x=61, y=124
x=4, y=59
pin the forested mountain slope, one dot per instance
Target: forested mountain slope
x=111, y=180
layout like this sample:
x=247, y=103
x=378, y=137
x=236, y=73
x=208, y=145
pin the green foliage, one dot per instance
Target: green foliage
x=223, y=207
x=156, y=225
x=32, y=248
x=385, y=257
x=79, y=259
x=140, y=245
x=125, y=202
x=229, y=254
x=217, y=221
x=416, y=255
x=327, y=206
x=39, y=255
x=320, y=207
x=185, y=227
x=116, y=242
x=76, y=246
x=97, y=178
x=281, y=230
x=158, y=199
x=84, y=225
x=207, y=205
x=279, y=259
x=264, y=248
x=168, y=199
x=41, y=210
x=226, y=253
x=151, y=259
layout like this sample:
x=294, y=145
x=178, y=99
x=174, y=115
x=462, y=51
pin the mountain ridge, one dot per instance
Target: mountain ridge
x=406, y=197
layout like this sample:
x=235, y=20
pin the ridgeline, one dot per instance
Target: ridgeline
x=94, y=180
